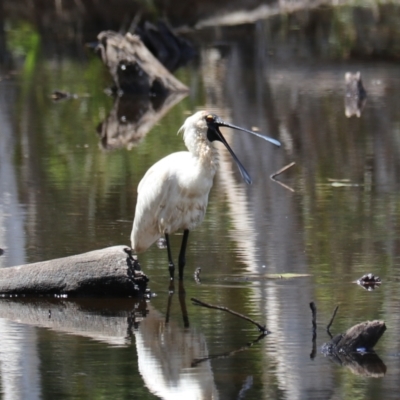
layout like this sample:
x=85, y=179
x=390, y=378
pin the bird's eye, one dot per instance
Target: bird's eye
x=210, y=118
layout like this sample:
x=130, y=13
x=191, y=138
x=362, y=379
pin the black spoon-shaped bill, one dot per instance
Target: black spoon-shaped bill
x=220, y=122
x=242, y=169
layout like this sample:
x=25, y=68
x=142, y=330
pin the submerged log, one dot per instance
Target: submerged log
x=107, y=272
x=133, y=68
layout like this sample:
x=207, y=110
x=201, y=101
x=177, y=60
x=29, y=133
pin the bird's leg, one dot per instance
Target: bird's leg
x=182, y=253
x=171, y=265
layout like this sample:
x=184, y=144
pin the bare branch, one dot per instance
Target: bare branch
x=283, y=169
x=331, y=321
x=261, y=328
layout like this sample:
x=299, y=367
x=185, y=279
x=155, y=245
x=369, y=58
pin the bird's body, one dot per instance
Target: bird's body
x=173, y=194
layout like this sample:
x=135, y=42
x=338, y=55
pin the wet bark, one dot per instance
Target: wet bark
x=361, y=336
x=107, y=272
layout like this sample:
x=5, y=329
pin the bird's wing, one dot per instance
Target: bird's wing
x=155, y=192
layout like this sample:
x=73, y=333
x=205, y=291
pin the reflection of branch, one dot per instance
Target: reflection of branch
x=283, y=169
x=197, y=361
x=314, y=317
x=261, y=328
x=331, y=321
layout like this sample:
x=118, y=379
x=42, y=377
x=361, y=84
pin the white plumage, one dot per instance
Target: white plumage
x=173, y=194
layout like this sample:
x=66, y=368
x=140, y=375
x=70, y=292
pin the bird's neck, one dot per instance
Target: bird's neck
x=203, y=150
x=207, y=155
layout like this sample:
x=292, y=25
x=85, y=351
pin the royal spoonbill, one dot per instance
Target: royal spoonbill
x=173, y=194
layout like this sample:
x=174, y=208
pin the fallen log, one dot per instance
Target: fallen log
x=112, y=271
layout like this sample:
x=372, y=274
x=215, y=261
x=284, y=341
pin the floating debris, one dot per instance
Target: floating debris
x=196, y=275
x=58, y=95
x=369, y=281
x=356, y=96
x=344, y=184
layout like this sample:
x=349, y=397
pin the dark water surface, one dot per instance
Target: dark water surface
x=64, y=193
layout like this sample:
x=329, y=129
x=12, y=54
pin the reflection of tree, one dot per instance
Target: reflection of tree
x=320, y=229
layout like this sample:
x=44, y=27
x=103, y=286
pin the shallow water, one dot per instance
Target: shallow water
x=63, y=193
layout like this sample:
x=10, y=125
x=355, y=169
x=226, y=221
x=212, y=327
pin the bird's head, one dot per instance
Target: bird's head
x=208, y=124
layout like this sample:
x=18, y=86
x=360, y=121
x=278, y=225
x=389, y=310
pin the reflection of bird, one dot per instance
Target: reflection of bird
x=173, y=194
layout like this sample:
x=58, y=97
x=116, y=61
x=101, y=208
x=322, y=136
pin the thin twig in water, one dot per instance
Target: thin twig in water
x=331, y=321
x=283, y=169
x=314, y=324
x=262, y=328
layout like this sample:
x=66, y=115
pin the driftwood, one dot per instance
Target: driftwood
x=133, y=68
x=354, y=349
x=360, y=337
x=132, y=117
x=108, y=272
